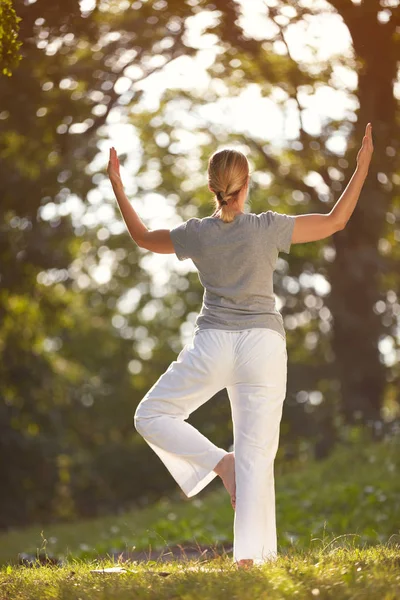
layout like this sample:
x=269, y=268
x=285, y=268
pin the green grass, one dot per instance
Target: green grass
x=341, y=573
x=338, y=537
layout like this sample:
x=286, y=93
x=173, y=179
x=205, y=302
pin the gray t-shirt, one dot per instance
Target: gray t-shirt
x=235, y=263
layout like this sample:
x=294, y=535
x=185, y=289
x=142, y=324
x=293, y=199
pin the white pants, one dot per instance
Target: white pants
x=251, y=364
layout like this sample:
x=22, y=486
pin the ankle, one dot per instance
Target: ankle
x=220, y=467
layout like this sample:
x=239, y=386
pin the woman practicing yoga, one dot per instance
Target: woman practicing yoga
x=239, y=342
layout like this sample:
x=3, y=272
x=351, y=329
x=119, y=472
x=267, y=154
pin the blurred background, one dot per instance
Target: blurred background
x=89, y=321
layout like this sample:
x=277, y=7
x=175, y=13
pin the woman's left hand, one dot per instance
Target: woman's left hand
x=113, y=167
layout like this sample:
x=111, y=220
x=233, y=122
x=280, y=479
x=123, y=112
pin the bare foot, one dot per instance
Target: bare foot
x=245, y=563
x=226, y=470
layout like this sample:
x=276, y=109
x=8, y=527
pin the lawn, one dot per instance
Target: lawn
x=335, y=573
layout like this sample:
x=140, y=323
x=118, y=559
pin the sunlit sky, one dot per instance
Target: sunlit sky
x=319, y=38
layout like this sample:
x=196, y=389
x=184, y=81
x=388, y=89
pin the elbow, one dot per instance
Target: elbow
x=139, y=242
x=336, y=223
x=339, y=225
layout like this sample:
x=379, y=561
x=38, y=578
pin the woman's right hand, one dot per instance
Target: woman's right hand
x=365, y=153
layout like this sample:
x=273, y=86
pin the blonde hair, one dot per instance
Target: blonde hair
x=228, y=172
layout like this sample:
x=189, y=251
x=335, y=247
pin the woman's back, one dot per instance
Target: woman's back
x=235, y=263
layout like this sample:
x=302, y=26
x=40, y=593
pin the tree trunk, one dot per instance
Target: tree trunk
x=356, y=273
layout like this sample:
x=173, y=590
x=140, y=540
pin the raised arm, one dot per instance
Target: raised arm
x=312, y=227
x=158, y=240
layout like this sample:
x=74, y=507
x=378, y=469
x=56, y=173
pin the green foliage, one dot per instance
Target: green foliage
x=73, y=364
x=68, y=395
x=9, y=43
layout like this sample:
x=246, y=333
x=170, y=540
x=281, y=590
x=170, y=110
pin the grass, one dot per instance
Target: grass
x=338, y=537
x=335, y=573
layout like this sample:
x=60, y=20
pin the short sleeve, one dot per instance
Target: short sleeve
x=281, y=227
x=184, y=238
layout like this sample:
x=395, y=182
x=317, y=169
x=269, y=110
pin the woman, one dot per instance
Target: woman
x=239, y=342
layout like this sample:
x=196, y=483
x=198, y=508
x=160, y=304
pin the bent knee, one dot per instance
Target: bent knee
x=139, y=421
x=143, y=418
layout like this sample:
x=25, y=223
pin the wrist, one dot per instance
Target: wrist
x=362, y=170
x=116, y=183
